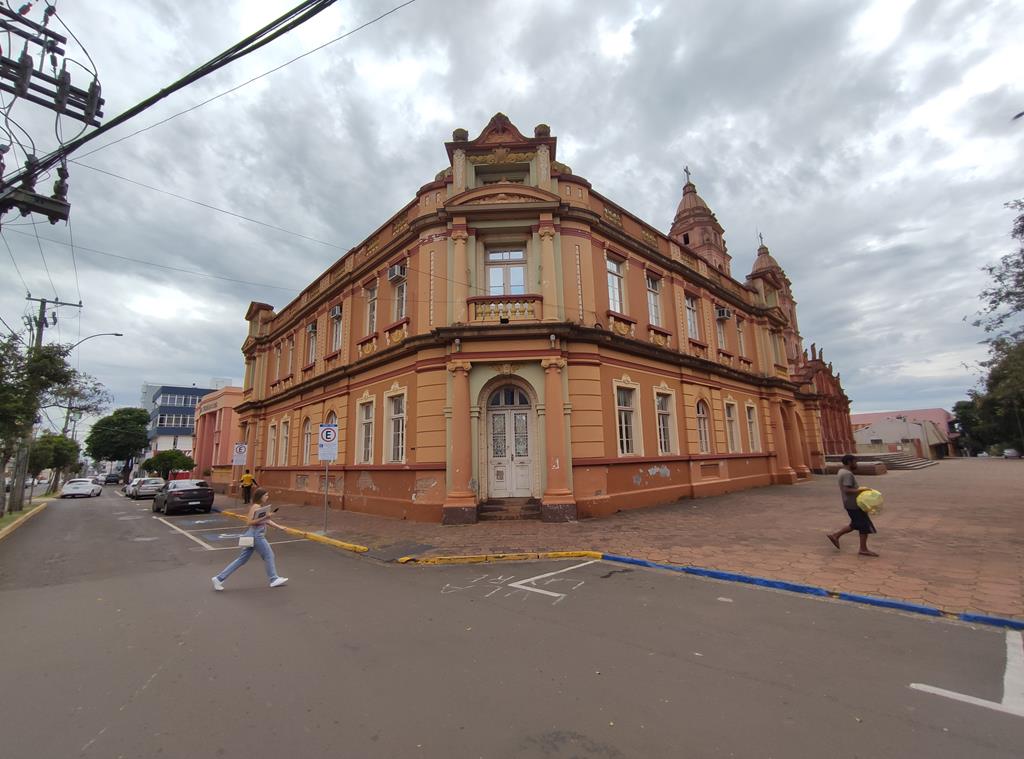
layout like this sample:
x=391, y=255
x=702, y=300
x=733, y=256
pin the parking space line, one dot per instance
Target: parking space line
x=521, y=585
x=272, y=542
x=188, y=535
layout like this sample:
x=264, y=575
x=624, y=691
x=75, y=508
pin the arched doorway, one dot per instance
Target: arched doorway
x=509, y=443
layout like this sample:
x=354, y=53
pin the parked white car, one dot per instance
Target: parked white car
x=80, y=488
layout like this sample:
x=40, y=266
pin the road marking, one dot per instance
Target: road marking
x=190, y=536
x=521, y=585
x=1013, y=682
x=272, y=542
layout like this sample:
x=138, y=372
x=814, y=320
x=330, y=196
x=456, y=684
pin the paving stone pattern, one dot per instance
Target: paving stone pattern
x=951, y=536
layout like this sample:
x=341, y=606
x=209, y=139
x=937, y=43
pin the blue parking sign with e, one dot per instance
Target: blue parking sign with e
x=327, y=448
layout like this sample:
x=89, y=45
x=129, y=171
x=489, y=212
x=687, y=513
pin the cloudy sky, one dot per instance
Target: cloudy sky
x=870, y=142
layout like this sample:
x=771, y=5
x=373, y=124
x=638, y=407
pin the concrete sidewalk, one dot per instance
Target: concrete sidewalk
x=951, y=536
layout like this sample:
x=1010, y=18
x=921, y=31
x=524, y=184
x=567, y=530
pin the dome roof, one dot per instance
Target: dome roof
x=764, y=260
x=691, y=200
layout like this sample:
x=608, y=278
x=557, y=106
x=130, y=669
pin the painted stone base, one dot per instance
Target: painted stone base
x=458, y=515
x=558, y=512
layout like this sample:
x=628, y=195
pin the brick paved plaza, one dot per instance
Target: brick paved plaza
x=951, y=535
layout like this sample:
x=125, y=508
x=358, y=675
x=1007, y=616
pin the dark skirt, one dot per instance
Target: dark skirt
x=861, y=522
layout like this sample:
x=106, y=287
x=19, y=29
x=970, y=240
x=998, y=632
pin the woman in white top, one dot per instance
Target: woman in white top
x=259, y=518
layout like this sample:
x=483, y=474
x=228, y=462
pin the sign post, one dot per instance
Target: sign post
x=239, y=452
x=327, y=451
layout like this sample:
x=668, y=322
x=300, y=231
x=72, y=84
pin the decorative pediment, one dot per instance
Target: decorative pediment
x=502, y=193
x=500, y=134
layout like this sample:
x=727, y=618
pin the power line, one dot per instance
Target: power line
x=42, y=256
x=13, y=261
x=74, y=262
x=250, y=81
x=163, y=266
x=206, y=205
x=11, y=329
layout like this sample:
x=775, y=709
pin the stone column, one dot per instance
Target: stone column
x=460, y=275
x=548, y=282
x=557, y=504
x=784, y=473
x=460, y=501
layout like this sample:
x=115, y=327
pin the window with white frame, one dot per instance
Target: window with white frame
x=664, y=408
x=732, y=431
x=307, y=440
x=506, y=272
x=332, y=418
x=703, y=427
x=395, y=409
x=284, y=444
x=692, y=318
x=654, y=299
x=752, y=433
x=741, y=347
x=311, y=342
x=400, y=290
x=271, y=445
x=615, y=285
x=291, y=354
x=365, y=420
x=277, y=361
x=720, y=333
x=371, y=309
x=625, y=415
x=336, y=329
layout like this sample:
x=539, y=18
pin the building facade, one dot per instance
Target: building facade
x=215, y=430
x=172, y=423
x=513, y=334
x=929, y=433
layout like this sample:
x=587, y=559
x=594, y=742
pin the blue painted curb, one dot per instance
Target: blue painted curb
x=985, y=619
x=715, y=574
x=929, y=611
x=889, y=603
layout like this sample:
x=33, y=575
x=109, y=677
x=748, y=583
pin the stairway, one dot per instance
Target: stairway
x=892, y=460
x=508, y=509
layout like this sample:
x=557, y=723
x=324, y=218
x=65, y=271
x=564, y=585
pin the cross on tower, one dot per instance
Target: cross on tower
x=686, y=170
x=760, y=237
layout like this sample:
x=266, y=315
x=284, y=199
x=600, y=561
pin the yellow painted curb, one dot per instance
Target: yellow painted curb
x=486, y=557
x=18, y=523
x=310, y=536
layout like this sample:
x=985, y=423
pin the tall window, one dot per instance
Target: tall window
x=625, y=407
x=336, y=329
x=272, y=445
x=277, y=361
x=365, y=417
x=614, y=285
x=692, y=320
x=400, y=290
x=506, y=272
x=654, y=299
x=291, y=354
x=740, y=345
x=311, y=343
x=703, y=427
x=663, y=408
x=732, y=432
x=284, y=443
x=777, y=347
x=755, y=439
x=720, y=332
x=396, y=428
x=332, y=418
x=307, y=440
x=371, y=309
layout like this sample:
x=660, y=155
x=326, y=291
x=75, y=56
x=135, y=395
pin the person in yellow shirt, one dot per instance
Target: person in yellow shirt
x=247, y=482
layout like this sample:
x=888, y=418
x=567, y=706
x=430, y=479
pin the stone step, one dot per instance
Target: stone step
x=511, y=510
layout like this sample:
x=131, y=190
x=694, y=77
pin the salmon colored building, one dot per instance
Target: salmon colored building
x=512, y=336
x=216, y=427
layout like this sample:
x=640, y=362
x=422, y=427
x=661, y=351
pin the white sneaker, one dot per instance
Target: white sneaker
x=277, y=583
x=217, y=584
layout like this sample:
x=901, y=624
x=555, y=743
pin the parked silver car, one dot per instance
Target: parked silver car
x=148, y=487
x=129, y=489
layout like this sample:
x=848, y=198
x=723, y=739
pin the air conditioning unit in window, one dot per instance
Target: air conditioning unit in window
x=396, y=272
x=723, y=313
x=335, y=312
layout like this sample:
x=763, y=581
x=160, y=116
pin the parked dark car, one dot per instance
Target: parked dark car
x=111, y=479
x=184, y=495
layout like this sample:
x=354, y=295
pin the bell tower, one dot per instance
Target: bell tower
x=695, y=227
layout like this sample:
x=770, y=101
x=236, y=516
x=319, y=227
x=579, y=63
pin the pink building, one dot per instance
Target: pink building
x=216, y=427
x=932, y=428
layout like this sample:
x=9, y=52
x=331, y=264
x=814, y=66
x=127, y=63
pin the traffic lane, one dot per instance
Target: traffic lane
x=82, y=538
x=370, y=659
x=216, y=532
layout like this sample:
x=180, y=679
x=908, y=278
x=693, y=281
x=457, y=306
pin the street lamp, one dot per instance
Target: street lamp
x=98, y=334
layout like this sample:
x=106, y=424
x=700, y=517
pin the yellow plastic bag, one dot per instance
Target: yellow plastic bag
x=870, y=501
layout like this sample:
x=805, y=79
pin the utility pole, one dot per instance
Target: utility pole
x=40, y=322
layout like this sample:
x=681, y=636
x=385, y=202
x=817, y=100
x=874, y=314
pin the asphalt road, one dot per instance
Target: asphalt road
x=115, y=645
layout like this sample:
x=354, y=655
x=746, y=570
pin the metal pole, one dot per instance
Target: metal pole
x=327, y=466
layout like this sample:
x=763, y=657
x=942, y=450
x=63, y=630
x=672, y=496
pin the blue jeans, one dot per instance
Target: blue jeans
x=261, y=546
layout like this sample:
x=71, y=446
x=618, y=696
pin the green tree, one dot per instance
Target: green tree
x=166, y=462
x=52, y=452
x=119, y=437
x=1004, y=297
